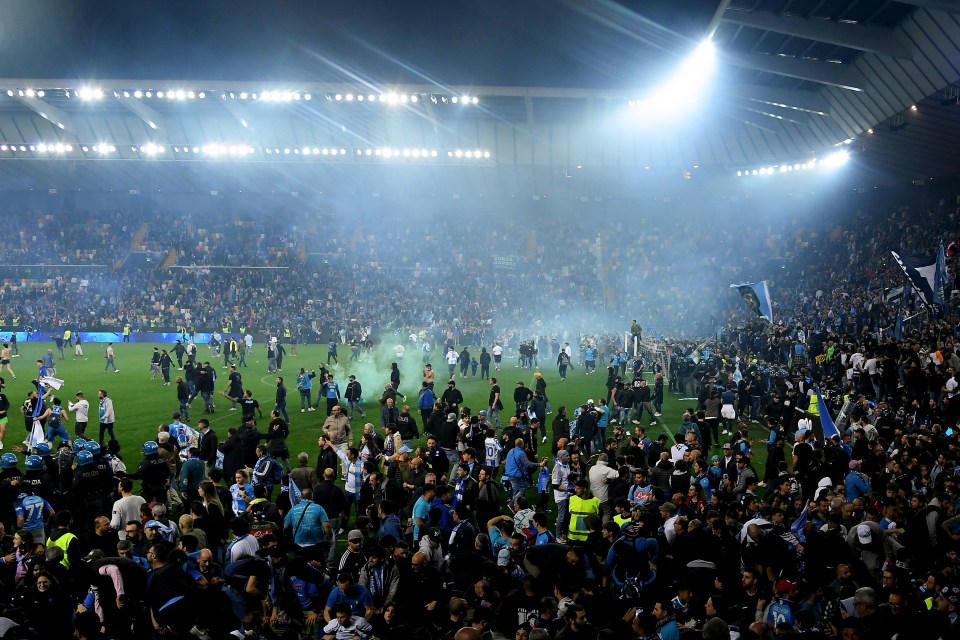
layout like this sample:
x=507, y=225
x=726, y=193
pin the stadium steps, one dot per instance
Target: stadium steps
x=170, y=260
x=138, y=237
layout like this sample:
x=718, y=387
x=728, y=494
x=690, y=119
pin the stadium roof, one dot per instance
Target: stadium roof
x=796, y=79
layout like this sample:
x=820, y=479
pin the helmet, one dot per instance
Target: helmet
x=92, y=447
x=150, y=447
x=84, y=458
x=43, y=449
x=34, y=463
x=8, y=461
x=78, y=445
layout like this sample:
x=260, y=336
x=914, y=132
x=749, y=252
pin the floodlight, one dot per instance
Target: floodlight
x=459, y=153
x=84, y=148
x=159, y=94
x=414, y=98
x=30, y=93
x=349, y=97
x=41, y=93
x=3, y=147
x=454, y=99
x=138, y=94
x=42, y=147
x=23, y=147
x=307, y=97
x=404, y=97
x=913, y=107
x=836, y=159
x=783, y=169
x=10, y=93
x=191, y=95
x=739, y=173
x=326, y=151
x=475, y=100
x=182, y=95
x=433, y=153
x=343, y=152
x=683, y=89
x=243, y=95
x=796, y=167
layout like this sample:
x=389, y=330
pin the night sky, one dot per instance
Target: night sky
x=561, y=43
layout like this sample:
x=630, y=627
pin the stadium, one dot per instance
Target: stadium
x=544, y=320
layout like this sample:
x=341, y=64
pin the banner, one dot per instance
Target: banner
x=757, y=297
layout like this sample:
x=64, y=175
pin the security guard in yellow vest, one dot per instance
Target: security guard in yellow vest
x=62, y=538
x=582, y=505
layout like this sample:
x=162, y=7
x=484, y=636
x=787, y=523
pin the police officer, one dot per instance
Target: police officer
x=38, y=479
x=87, y=492
x=153, y=473
x=9, y=478
x=108, y=483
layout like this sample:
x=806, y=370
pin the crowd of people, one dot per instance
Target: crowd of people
x=747, y=518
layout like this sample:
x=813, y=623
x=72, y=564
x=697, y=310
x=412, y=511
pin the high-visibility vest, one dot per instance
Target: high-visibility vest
x=579, y=510
x=813, y=409
x=63, y=542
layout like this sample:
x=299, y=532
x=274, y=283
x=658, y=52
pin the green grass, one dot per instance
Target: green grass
x=141, y=404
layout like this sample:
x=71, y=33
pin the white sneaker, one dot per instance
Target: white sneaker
x=543, y=439
x=304, y=410
x=311, y=409
x=233, y=408
x=653, y=423
x=761, y=484
x=658, y=414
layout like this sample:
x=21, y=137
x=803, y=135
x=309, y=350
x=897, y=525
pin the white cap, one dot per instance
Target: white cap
x=864, y=534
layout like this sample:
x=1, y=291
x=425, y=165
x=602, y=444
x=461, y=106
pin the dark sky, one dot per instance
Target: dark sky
x=566, y=43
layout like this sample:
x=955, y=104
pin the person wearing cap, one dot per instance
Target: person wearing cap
x=353, y=395
x=451, y=397
x=781, y=609
x=856, y=484
x=352, y=559
x=448, y=436
x=745, y=476
x=381, y=576
x=561, y=492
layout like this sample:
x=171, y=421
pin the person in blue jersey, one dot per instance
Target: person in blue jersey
x=32, y=514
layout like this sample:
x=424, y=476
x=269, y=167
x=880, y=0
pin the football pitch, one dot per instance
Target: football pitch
x=141, y=403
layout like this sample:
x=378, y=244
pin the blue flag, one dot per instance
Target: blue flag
x=294, y=491
x=757, y=297
x=940, y=276
x=829, y=429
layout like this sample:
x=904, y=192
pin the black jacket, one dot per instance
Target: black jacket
x=208, y=447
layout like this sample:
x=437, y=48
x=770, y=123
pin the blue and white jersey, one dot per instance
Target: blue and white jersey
x=33, y=509
x=492, y=449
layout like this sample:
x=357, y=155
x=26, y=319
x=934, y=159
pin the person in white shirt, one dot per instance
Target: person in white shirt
x=452, y=357
x=497, y=352
x=345, y=625
x=125, y=509
x=599, y=475
x=81, y=409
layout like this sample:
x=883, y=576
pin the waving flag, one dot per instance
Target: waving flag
x=921, y=271
x=829, y=428
x=294, y=492
x=940, y=276
x=757, y=297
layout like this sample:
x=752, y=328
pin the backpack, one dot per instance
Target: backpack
x=54, y=419
x=276, y=472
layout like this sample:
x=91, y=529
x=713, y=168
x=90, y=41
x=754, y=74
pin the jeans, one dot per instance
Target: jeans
x=625, y=414
x=495, y=417
x=355, y=408
x=518, y=488
x=334, y=527
x=207, y=401
x=282, y=410
x=305, y=399
x=185, y=410
x=106, y=427
x=110, y=364
x=563, y=517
